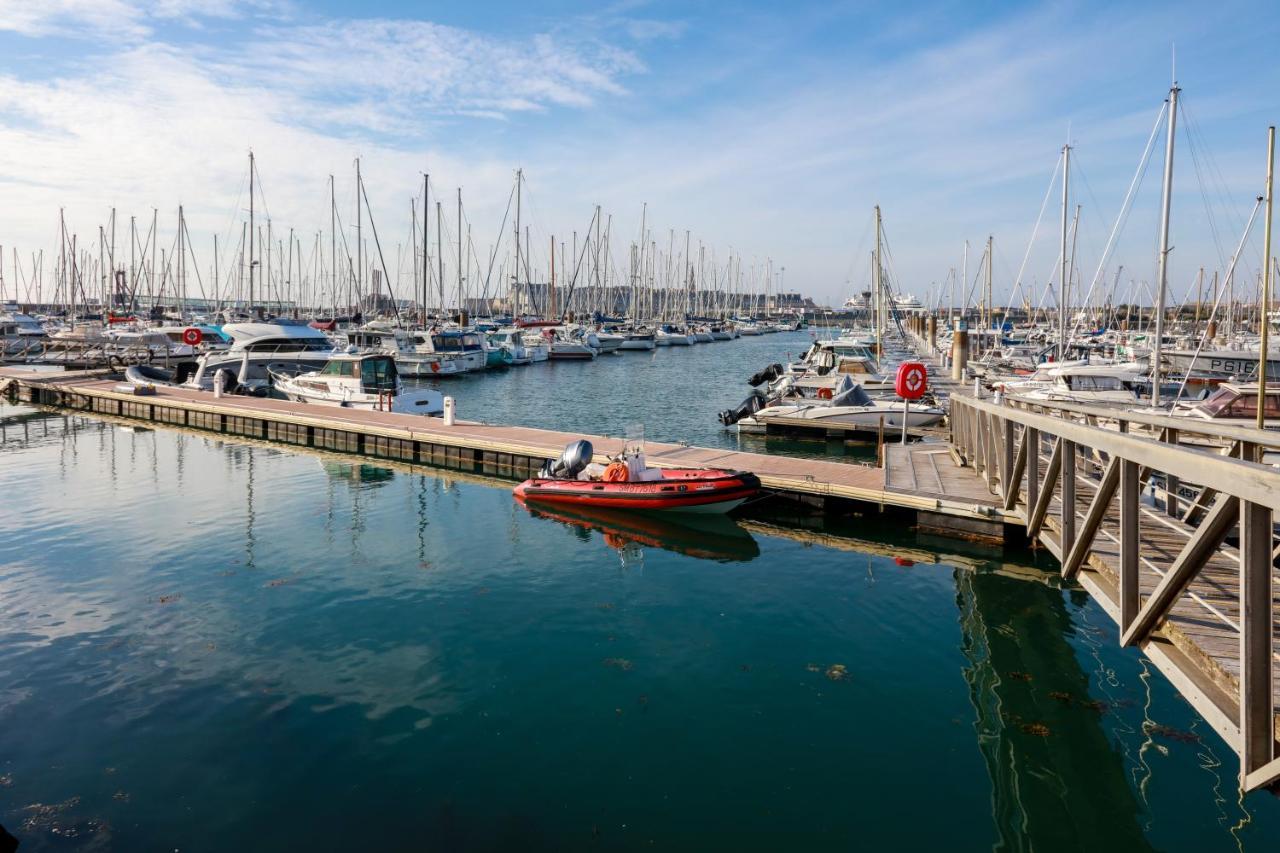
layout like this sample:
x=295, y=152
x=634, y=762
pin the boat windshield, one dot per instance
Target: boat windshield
x=1227, y=403
x=339, y=367
x=377, y=374
x=290, y=345
x=1084, y=382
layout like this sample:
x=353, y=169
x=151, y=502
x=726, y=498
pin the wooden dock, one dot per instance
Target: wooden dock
x=509, y=451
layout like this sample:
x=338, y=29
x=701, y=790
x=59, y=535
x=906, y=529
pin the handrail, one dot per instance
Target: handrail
x=1249, y=481
x=1196, y=426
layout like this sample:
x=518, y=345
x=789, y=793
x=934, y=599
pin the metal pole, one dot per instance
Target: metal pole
x=1163, y=274
x=1062, y=269
x=1266, y=281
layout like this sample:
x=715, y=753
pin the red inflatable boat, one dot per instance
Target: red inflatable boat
x=710, y=490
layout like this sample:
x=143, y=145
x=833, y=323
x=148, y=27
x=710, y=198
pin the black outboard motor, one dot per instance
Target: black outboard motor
x=746, y=408
x=769, y=374
x=229, y=381
x=575, y=456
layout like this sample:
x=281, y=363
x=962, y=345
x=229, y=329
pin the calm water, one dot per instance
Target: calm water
x=674, y=392
x=216, y=646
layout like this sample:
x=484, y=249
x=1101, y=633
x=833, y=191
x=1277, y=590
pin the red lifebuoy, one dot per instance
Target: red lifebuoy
x=824, y=394
x=192, y=337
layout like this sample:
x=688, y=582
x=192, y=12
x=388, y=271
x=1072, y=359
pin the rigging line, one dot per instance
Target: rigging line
x=1053, y=179
x=1226, y=280
x=1201, y=186
x=1126, y=205
x=1217, y=180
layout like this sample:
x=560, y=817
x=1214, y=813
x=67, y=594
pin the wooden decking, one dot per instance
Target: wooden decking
x=405, y=436
x=1202, y=630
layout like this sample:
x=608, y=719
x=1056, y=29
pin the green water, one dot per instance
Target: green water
x=207, y=645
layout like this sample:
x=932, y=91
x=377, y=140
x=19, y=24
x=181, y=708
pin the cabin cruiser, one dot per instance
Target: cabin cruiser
x=639, y=338
x=669, y=336
x=259, y=348
x=849, y=406
x=467, y=348
x=358, y=381
x=20, y=334
x=1233, y=402
x=511, y=340
x=403, y=346
x=1087, y=384
x=573, y=345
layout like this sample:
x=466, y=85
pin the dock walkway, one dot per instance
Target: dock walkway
x=514, y=450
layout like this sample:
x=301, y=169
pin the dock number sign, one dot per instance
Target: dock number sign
x=912, y=380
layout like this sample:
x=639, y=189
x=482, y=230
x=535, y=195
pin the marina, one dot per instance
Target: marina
x=645, y=427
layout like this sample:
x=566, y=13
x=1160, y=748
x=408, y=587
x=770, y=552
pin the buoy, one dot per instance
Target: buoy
x=903, y=561
x=192, y=337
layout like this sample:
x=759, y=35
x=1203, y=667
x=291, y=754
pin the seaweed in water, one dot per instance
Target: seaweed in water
x=618, y=663
x=1036, y=729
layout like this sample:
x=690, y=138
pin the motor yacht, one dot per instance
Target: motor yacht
x=358, y=381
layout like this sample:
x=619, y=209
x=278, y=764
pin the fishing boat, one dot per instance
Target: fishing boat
x=358, y=381
x=627, y=483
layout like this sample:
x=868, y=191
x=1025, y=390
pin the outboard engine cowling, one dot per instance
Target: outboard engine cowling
x=746, y=408
x=575, y=456
x=769, y=374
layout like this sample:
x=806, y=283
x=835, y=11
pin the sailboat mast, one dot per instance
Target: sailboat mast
x=251, y=232
x=878, y=285
x=459, y=248
x=1266, y=281
x=1163, y=273
x=516, y=273
x=359, y=236
x=1062, y=260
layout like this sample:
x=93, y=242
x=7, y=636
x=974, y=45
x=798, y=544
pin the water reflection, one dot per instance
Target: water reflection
x=271, y=602
x=706, y=537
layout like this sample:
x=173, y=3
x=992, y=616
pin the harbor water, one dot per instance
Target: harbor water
x=218, y=645
x=674, y=393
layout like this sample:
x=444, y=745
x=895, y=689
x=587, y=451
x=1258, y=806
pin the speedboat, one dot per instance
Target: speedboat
x=358, y=381
x=841, y=404
x=628, y=483
x=403, y=346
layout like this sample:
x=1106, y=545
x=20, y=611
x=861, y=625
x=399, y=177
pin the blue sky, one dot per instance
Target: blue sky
x=771, y=130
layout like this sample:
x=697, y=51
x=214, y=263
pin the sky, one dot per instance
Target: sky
x=770, y=131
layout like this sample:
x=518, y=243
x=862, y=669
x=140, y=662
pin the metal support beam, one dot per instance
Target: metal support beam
x=1041, y=506
x=1093, y=519
x=1203, y=542
x=1031, y=438
x=1067, y=509
x=1257, y=704
x=1130, y=513
x=1019, y=467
